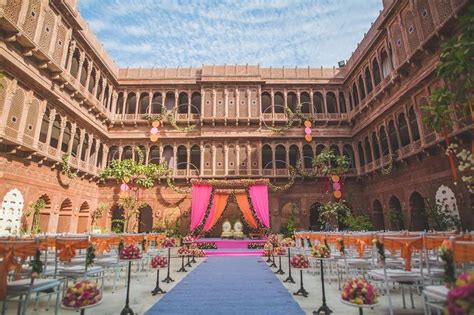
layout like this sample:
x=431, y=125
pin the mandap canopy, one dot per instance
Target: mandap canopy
x=209, y=199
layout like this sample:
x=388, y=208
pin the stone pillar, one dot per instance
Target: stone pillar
x=249, y=158
x=39, y=121
x=201, y=171
x=237, y=102
x=89, y=74
x=105, y=154
x=96, y=85
x=79, y=70
x=213, y=151
x=226, y=159
x=71, y=50
x=96, y=156
x=71, y=141
x=52, y=115
x=188, y=158
x=61, y=134
x=237, y=157
x=81, y=143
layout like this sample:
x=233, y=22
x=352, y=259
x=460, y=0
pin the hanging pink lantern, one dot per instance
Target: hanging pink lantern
x=154, y=131
x=124, y=187
x=336, y=186
x=307, y=131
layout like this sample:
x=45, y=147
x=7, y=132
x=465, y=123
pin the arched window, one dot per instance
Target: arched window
x=361, y=88
x=361, y=154
x=305, y=101
x=320, y=148
x=120, y=103
x=315, y=223
x=384, y=142
x=266, y=103
x=154, y=157
x=85, y=67
x=318, y=103
x=53, y=141
x=335, y=149
x=355, y=95
x=279, y=103
x=419, y=221
x=280, y=157
x=376, y=71
x=75, y=143
x=377, y=216
x=415, y=132
x=127, y=153
x=196, y=103
x=386, y=64
x=331, y=102
x=168, y=156
x=100, y=155
x=90, y=88
x=368, y=80
x=349, y=153
x=342, y=103
x=75, y=63
x=351, y=106
x=292, y=101
x=182, y=157
x=267, y=157
x=144, y=100
x=66, y=137
x=85, y=145
x=395, y=214
x=170, y=101
x=368, y=151
x=308, y=156
x=196, y=157
x=117, y=225
x=44, y=126
x=131, y=103
x=294, y=155
x=113, y=154
x=156, y=103
x=375, y=144
x=183, y=103
x=403, y=129
x=393, y=136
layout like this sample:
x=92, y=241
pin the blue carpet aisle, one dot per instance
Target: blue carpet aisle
x=228, y=285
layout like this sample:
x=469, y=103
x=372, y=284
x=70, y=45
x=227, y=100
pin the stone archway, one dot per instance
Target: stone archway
x=419, y=221
x=12, y=208
x=44, y=214
x=145, y=219
x=83, y=219
x=117, y=224
x=314, y=219
x=377, y=216
x=65, y=215
x=395, y=214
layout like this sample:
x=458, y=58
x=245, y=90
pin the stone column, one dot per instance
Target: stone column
x=39, y=120
x=89, y=74
x=71, y=141
x=237, y=157
x=96, y=156
x=96, y=85
x=52, y=115
x=105, y=155
x=237, y=102
x=71, y=50
x=213, y=151
x=188, y=158
x=81, y=143
x=226, y=159
x=61, y=135
x=201, y=171
x=79, y=70
x=249, y=158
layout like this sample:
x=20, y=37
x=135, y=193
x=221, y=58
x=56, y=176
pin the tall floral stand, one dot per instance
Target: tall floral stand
x=168, y=279
x=289, y=278
x=279, y=271
x=301, y=291
x=183, y=267
x=127, y=310
x=158, y=262
x=323, y=308
x=273, y=265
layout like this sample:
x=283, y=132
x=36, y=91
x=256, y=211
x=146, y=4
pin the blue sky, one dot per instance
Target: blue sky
x=159, y=33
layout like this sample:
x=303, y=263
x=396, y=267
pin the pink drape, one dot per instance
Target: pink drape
x=259, y=196
x=200, y=201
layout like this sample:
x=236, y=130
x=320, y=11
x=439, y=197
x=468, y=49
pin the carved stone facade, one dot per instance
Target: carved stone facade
x=62, y=94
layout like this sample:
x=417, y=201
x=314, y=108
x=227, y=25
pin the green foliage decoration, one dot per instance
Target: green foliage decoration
x=34, y=209
x=66, y=168
x=359, y=222
x=334, y=213
x=440, y=219
x=329, y=163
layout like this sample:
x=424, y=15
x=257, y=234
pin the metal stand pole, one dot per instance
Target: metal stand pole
x=127, y=310
x=188, y=264
x=279, y=271
x=273, y=262
x=157, y=289
x=324, y=308
x=168, y=278
x=182, y=269
x=289, y=278
x=301, y=290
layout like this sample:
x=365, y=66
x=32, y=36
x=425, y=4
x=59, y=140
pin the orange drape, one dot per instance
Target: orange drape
x=244, y=206
x=220, y=201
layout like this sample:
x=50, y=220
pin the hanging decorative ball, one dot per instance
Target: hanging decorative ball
x=126, y=179
x=335, y=178
x=307, y=124
x=124, y=187
x=336, y=186
x=338, y=194
x=154, y=131
x=307, y=130
x=156, y=124
x=308, y=138
x=153, y=138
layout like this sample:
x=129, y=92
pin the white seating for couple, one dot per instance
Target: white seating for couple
x=228, y=232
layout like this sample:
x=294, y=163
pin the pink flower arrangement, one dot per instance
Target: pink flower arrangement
x=287, y=242
x=82, y=294
x=130, y=252
x=360, y=292
x=273, y=239
x=184, y=251
x=159, y=262
x=267, y=249
x=168, y=242
x=320, y=251
x=299, y=261
x=279, y=251
x=188, y=239
x=198, y=252
x=461, y=297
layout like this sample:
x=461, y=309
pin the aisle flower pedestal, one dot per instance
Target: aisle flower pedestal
x=288, y=243
x=81, y=296
x=168, y=243
x=359, y=293
x=279, y=251
x=130, y=254
x=157, y=263
x=322, y=252
x=183, y=252
x=267, y=250
x=188, y=241
x=300, y=262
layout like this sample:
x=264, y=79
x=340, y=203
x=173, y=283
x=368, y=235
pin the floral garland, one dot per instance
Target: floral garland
x=207, y=245
x=387, y=170
x=170, y=183
x=235, y=183
x=291, y=181
x=36, y=265
x=90, y=256
x=466, y=164
x=380, y=249
x=446, y=255
x=302, y=172
x=255, y=245
x=66, y=168
x=289, y=122
x=172, y=121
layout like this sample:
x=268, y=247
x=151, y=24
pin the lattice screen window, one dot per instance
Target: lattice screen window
x=45, y=39
x=15, y=113
x=32, y=17
x=12, y=207
x=59, y=45
x=12, y=10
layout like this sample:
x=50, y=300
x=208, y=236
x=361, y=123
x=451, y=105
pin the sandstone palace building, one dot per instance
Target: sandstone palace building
x=61, y=93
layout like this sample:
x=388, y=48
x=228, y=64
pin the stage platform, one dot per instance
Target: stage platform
x=235, y=248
